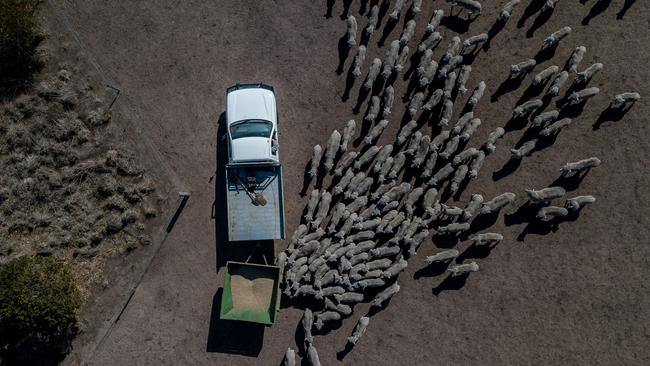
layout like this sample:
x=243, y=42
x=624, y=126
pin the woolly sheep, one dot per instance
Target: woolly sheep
x=429, y=199
x=446, y=112
x=486, y=238
x=368, y=213
x=368, y=283
x=373, y=109
x=489, y=144
x=544, y=118
x=462, y=269
x=507, y=9
x=555, y=127
x=401, y=59
x=477, y=94
x=374, y=133
x=366, y=157
x=450, y=82
x=444, y=256
x=385, y=252
x=450, y=147
x=452, y=49
x=337, y=215
x=455, y=228
x=321, y=319
x=329, y=278
x=589, y=72
x=582, y=95
x=356, y=205
x=497, y=203
x=475, y=40
x=398, y=165
x=344, y=182
x=471, y=6
x=578, y=202
x=425, y=60
x=428, y=75
x=415, y=104
x=459, y=176
x=461, y=123
x=395, y=222
x=342, y=309
x=524, y=150
x=390, y=206
x=465, y=155
x=473, y=206
x=429, y=164
x=527, y=108
x=414, y=142
x=347, y=225
x=396, y=268
x=348, y=132
x=315, y=160
x=373, y=72
x=359, y=258
x=300, y=231
x=624, y=99
x=362, y=188
x=452, y=64
x=407, y=34
x=381, y=264
x=463, y=76
x=406, y=131
x=333, y=145
x=434, y=100
x=441, y=175
x=399, y=4
x=476, y=164
x=412, y=198
x=522, y=68
x=580, y=166
x=416, y=7
x=544, y=75
x=388, y=98
x=373, y=19
x=430, y=42
x=323, y=209
x=575, y=59
x=451, y=211
x=345, y=162
x=314, y=196
x=386, y=219
x=469, y=130
x=360, y=236
x=352, y=30
x=385, y=295
x=435, y=20
x=390, y=58
x=395, y=193
x=559, y=81
x=349, y=297
x=381, y=157
x=306, y=290
x=358, y=60
x=551, y=212
x=383, y=188
x=386, y=166
x=307, y=325
x=416, y=241
x=289, y=358
x=364, y=246
x=359, y=329
x=421, y=152
x=556, y=37
x=439, y=140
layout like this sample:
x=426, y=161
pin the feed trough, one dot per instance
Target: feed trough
x=251, y=293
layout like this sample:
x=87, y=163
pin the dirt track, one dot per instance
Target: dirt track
x=575, y=296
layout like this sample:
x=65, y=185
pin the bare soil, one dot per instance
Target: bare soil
x=575, y=293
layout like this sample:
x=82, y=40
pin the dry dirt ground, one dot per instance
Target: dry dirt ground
x=578, y=295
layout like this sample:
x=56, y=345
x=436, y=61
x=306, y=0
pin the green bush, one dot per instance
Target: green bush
x=19, y=36
x=38, y=305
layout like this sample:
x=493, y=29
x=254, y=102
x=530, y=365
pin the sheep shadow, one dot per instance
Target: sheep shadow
x=432, y=270
x=482, y=222
x=510, y=84
x=532, y=91
x=445, y=241
x=344, y=52
x=390, y=25
x=450, y=283
x=492, y=32
x=363, y=94
x=533, y=7
x=475, y=252
x=346, y=9
x=569, y=182
x=508, y=168
x=610, y=114
x=626, y=6
x=539, y=227
x=328, y=10
x=456, y=23
x=525, y=213
x=540, y=20
x=599, y=7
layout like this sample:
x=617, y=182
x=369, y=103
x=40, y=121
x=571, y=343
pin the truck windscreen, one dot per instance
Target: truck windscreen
x=251, y=128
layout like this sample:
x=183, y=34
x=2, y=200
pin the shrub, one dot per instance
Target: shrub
x=38, y=305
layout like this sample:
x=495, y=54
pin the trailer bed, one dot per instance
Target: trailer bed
x=246, y=220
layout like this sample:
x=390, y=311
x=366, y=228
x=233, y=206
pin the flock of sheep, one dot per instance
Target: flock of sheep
x=357, y=238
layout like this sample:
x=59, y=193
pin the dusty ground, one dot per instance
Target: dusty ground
x=578, y=295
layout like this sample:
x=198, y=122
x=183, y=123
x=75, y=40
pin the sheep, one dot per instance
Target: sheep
x=347, y=225
x=354, y=182
x=315, y=258
x=431, y=214
x=550, y=212
x=476, y=164
x=303, y=251
x=625, y=99
x=451, y=211
x=486, y=239
x=344, y=182
x=369, y=213
x=381, y=157
x=475, y=41
x=521, y=69
x=415, y=104
x=462, y=269
x=366, y=157
x=473, y=206
x=441, y=175
x=299, y=273
x=398, y=165
x=362, y=188
x=434, y=22
x=465, y=155
x=363, y=246
x=386, y=166
x=452, y=64
x=388, y=99
x=305, y=290
x=373, y=19
x=455, y=228
x=374, y=133
x=450, y=82
x=444, y=256
x=307, y=325
x=386, y=219
x=416, y=7
x=348, y=132
x=452, y=49
x=556, y=37
x=429, y=199
x=373, y=109
x=544, y=118
x=459, y=176
x=489, y=145
x=421, y=152
x=555, y=127
x=425, y=60
x=463, y=76
x=342, y=309
x=333, y=145
x=349, y=297
x=395, y=222
x=359, y=329
x=429, y=165
x=300, y=231
x=321, y=319
x=389, y=206
x=332, y=276
x=582, y=95
x=477, y=94
x=543, y=76
x=406, y=131
x=430, y=42
x=411, y=199
x=401, y=60
x=559, y=81
x=360, y=236
x=394, y=15
x=390, y=58
x=507, y=9
x=446, y=112
x=575, y=59
x=548, y=5
x=315, y=160
x=407, y=34
x=497, y=203
x=395, y=194
x=352, y=31
x=469, y=130
x=385, y=295
x=439, y=140
x=373, y=72
x=524, y=150
x=323, y=209
x=428, y=75
x=368, y=283
x=578, y=202
x=314, y=196
x=580, y=166
x=462, y=122
x=289, y=358
x=358, y=61
x=416, y=241
x=359, y=258
x=346, y=162
x=396, y=268
x=356, y=205
x=588, y=73
x=383, y=188
x=385, y=252
x=414, y=142
x=450, y=147
x=471, y=6
x=434, y=100
x=527, y=108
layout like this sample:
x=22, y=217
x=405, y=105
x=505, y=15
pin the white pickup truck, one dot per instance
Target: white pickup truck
x=253, y=167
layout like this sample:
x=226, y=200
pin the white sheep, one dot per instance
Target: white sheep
x=337, y=215
x=470, y=129
x=522, y=68
x=471, y=6
x=359, y=329
x=545, y=195
x=465, y=155
x=406, y=131
x=425, y=60
x=589, y=72
x=333, y=145
x=394, y=15
x=434, y=100
x=321, y=319
x=458, y=178
x=352, y=30
x=407, y=34
x=388, y=98
x=550, y=212
x=473, y=206
x=349, y=297
x=444, y=256
x=555, y=127
x=486, y=239
x=556, y=37
x=368, y=283
x=490, y=144
x=452, y=49
x=385, y=295
x=477, y=94
x=578, y=202
x=543, y=76
x=576, y=57
x=374, y=133
x=450, y=82
x=441, y=175
x=394, y=223
x=462, y=269
x=421, y=152
x=411, y=199
x=414, y=142
x=506, y=11
x=583, y=95
x=497, y=203
x=369, y=212
x=417, y=240
x=323, y=209
x=339, y=308
x=624, y=99
x=429, y=199
x=396, y=268
x=398, y=164
x=386, y=167
x=452, y=64
x=390, y=58
x=386, y=219
x=476, y=164
x=430, y=42
x=307, y=325
x=451, y=211
x=366, y=157
x=580, y=166
x=544, y=118
x=395, y=194
x=373, y=109
x=363, y=187
x=446, y=112
x=315, y=160
x=527, y=108
x=356, y=205
x=358, y=60
x=345, y=162
x=416, y=7
x=439, y=140
x=383, y=252
x=344, y=182
x=300, y=231
x=474, y=41
x=434, y=22
x=463, y=77
x=559, y=81
x=401, y=60
x=373, y=19
x=373, y=72
x=415, y=104
x=314, y=196
x=429, y=74
x=462, y=122
x=381, y=157
x=450, y=147
x=289, y=358
x=430, y=164
x=524, y=150
x=348, y=132
x=455, y=228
